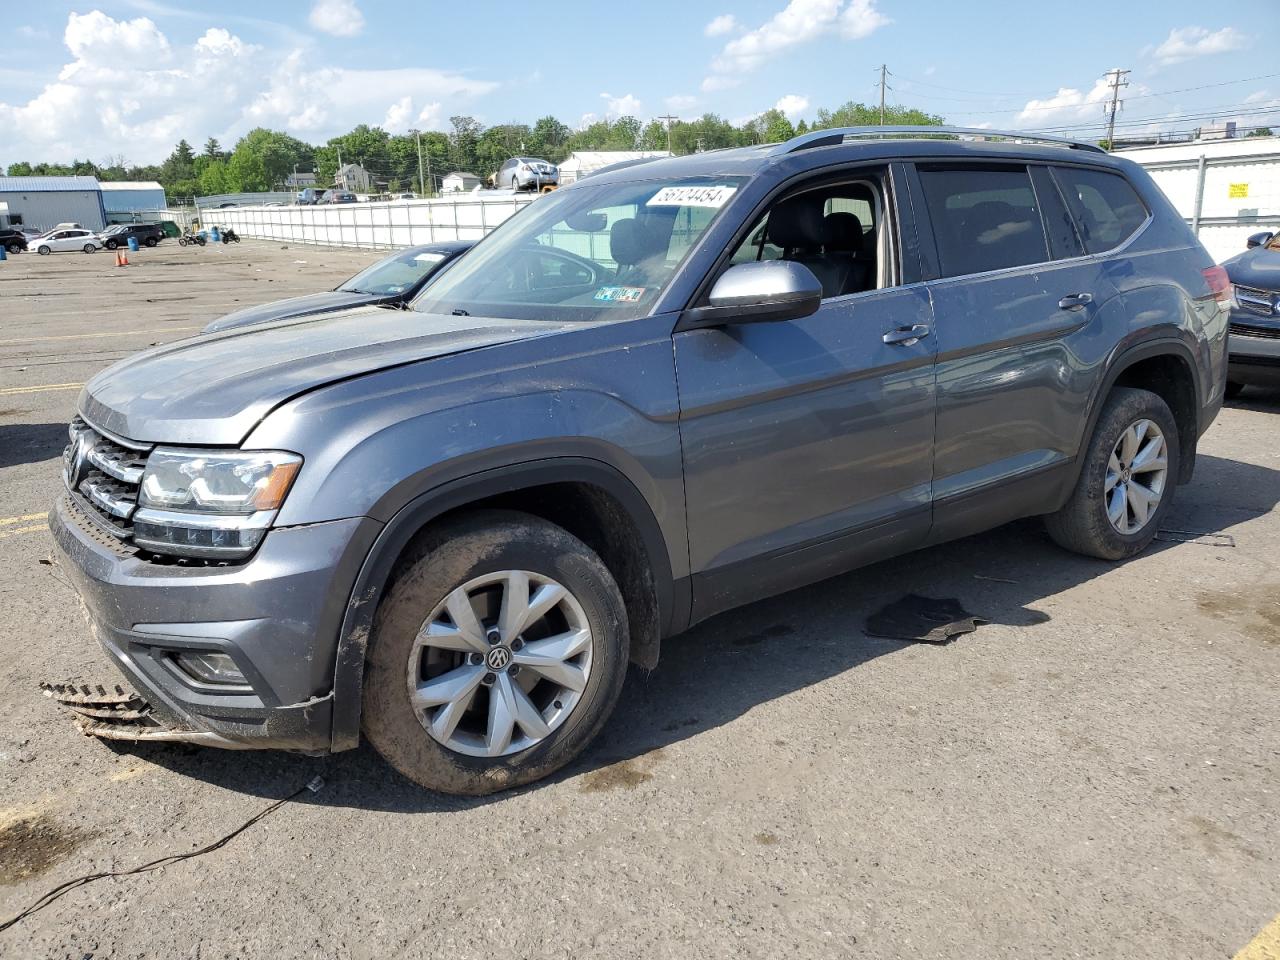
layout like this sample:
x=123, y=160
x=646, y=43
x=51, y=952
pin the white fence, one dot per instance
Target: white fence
x=398, y=223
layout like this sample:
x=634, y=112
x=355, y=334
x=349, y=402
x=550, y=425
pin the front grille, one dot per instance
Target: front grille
x=1249, y=330
x=102, y=475
x=1254, y=300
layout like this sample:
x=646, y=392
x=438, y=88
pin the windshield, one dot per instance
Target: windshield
x=587, y=253
x=395, y=274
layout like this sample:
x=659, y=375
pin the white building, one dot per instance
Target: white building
x=583, y=162
x=1226, y=189
x=352, y=178
x=459, y=182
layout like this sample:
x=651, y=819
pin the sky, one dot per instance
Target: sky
x=129, y=78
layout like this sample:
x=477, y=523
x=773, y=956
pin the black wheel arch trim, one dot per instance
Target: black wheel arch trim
x=1158, y=346
x=357, y=622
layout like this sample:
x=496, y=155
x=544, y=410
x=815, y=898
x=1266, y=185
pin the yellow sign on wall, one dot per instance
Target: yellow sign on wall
x=1238, y=191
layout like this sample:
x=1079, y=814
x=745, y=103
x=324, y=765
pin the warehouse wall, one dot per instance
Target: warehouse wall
x=400, y=223
x=42, y=210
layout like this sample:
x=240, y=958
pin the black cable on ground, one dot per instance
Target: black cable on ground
x=62, y=889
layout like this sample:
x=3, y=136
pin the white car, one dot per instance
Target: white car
x=56, y=241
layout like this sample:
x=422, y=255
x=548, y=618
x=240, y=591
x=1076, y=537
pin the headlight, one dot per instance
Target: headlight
x=214, y=504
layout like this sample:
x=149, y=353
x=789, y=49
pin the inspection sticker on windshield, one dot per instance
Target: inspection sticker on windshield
x=714, y=196
x=620, y=294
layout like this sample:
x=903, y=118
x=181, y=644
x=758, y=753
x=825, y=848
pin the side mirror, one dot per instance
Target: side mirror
x=1258, y=240
x=759, y=292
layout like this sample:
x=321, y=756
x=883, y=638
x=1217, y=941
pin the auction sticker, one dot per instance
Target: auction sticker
x=691, y=196
x=620, y=294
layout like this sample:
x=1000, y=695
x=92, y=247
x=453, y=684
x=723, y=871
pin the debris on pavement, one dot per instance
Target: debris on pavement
x=925, y=619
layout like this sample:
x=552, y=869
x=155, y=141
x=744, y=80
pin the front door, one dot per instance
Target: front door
x=808, y=443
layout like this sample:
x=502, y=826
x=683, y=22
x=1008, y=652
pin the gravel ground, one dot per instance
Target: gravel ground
x=1094, y=773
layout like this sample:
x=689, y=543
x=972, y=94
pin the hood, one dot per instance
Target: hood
x=1258, y=267
x=214, y=389
x=293, y=307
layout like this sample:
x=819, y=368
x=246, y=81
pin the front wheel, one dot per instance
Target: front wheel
x=496, y=656
x=1126, y=483
x=90, y=248
x=151, y=241
x=111, y=244
x=44, y=251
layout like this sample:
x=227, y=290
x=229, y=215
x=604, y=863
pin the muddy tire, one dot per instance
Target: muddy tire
x=424, y=642
x=1112, y=513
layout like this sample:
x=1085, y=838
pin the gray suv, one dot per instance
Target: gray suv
x=660, y=393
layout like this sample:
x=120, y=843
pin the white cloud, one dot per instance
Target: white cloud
x=341, y=18
x=86, y=112
x=1068, y=103
x=793, y=105
x=1186, y=43
x=624, y=106
x=680, y=102
x=725, y=23
x=800, y=22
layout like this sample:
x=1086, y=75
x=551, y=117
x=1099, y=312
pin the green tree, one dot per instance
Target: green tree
x=852, y=114
x=276, y=153
x=213, y=149
x=20, y=169
x=1259, y=132
x=214, y=178
x=549, y=138
x=463, y=141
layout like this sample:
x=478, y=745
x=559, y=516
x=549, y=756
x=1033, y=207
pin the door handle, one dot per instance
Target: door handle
x=1075, y=301
x=907, y=336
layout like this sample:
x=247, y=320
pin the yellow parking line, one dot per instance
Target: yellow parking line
x=1265, y=946
x=87, y=336
x=14, y=391
x=13, y=533
x=9, y=521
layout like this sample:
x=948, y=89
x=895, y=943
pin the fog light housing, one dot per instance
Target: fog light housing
x=211, y=667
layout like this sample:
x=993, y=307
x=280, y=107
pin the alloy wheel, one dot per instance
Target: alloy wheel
x=500, y=664
x=1136, y=476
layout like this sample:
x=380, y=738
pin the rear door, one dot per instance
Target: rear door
x=808, y=443
x=1013, y=287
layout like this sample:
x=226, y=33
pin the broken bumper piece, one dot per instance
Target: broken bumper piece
x=114, y=712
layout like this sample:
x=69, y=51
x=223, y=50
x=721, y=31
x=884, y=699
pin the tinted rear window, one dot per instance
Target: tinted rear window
x=983, y=219
x=1107, y=209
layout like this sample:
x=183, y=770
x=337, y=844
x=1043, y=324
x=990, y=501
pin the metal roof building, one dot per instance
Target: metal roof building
x=44, y=202
x=129, y=196
x=583, y=162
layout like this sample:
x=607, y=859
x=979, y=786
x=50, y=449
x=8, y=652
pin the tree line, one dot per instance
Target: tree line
x=263, y=159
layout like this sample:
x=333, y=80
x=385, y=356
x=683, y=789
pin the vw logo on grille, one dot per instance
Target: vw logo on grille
x=499, y=658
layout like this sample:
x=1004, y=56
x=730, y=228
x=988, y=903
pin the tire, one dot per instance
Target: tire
x=1083, y=524
x=515, y=185
x=444, y=558
x=111, y=244
x=15, y=248
x=90, y=248
x=44, y=251
x=151, y=241
x=1233, y=390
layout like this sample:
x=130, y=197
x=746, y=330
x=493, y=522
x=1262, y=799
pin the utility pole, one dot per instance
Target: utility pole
x=883, y=71
x=670, y=119
x=1117, y=81
x=422, y=182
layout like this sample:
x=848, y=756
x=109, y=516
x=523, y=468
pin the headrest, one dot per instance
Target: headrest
x=797, y=222
x=843, y=232
x=632, y=241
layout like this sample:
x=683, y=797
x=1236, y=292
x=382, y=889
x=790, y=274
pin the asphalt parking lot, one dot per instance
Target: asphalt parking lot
x=1094, y=773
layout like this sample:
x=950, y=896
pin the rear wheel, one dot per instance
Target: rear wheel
x=1126, y=482
x=111, y=244
x=15, y=248
x=151, y=241
x=1233, y=390
x=496, y=656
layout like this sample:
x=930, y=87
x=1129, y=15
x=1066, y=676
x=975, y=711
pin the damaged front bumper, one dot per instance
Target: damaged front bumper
x=276, y=617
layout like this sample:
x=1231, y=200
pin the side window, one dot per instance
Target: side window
x=983, y=219
x=836, y=230
x=1107, y=209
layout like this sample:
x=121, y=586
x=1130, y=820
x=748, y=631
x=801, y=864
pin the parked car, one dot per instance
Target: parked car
x=655, y=395
x=13, y=240
x=524, y=173
x=1255, y=319
x=392, y=281
x=338, y=196
x=147, y=234
x=58, y=241
x=308, y=197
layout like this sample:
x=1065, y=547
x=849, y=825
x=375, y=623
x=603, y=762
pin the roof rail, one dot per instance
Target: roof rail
x=837, y=135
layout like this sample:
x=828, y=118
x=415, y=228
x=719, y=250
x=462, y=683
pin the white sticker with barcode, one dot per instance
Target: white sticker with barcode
x=715, y=197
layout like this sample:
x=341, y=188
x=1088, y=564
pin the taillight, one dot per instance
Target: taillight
x=1219, y=284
